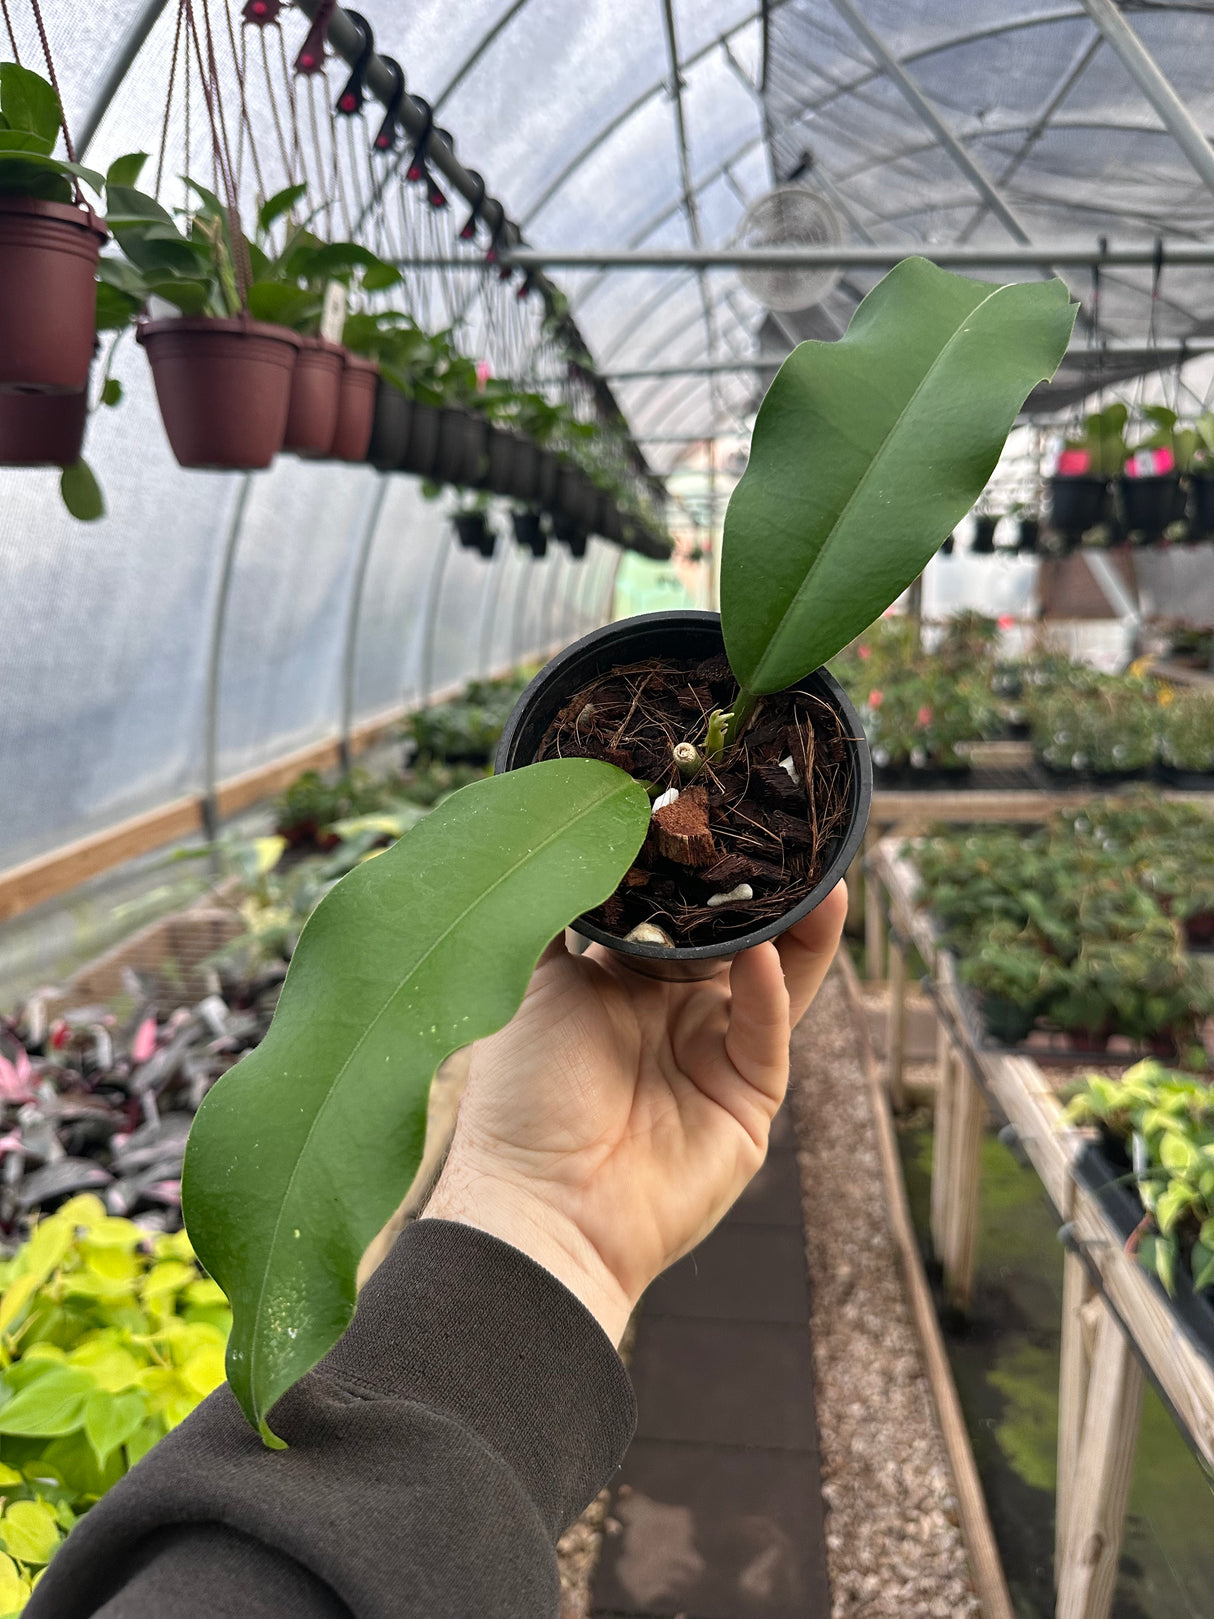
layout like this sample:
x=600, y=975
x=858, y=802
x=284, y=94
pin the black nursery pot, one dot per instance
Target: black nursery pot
x=390, y=428
x=1030, y=536
x=529, y=532
x=984, y=537
x=679, y=636
x=1077, y=504
x=1202, y=522
x=421, y=448
x=1150, y=504
x=474, y=532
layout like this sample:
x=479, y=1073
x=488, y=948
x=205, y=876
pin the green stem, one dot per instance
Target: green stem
x=743, y=708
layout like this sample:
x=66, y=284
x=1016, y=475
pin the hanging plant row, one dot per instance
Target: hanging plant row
x=242, y=355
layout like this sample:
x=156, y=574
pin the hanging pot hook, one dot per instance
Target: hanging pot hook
x=261, y=13
x=469, y=227
x=421, y=146
x=385, y=135
x=354, y=95
x=311, y=58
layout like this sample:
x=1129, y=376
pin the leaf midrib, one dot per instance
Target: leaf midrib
x=509, y=872
x=861, y=483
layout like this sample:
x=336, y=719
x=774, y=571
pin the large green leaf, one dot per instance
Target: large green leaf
x=866, y=452
x=28, y=102
x=300, y=1153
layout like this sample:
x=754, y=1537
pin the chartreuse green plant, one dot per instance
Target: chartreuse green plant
x=864, y=455
x=109, y=1337
x=1165, y=1122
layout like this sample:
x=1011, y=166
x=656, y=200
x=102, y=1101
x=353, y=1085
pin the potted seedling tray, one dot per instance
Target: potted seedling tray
x=745, y=827
x=1103, y=1169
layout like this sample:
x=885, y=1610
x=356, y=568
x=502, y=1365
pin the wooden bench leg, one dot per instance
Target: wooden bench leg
x=895, y=1038
x=964, y=1168
x=1073, y=1378
x=947, y=1066
x=1099, y=1484
x=874, y=917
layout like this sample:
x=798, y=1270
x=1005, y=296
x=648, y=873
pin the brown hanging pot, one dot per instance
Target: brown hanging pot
x=42, y=430
x=48, y=294
x=315, y=397
x=223, y=386
x=356, y=408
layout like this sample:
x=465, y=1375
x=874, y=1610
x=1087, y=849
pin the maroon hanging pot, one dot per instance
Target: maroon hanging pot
x=42, y=430
x=356, y=408
x=315, y=396
x=223, y=386
x=48, y=294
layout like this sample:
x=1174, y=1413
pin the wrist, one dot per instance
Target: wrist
x=514, y=1214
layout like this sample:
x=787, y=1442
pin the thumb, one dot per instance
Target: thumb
x=756, y=1041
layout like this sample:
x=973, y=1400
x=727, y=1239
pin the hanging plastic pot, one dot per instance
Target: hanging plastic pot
x=421, y=449
x=315, y=394
x=611, y=521
x=524, y=469
x=575, y=494
x=570, y=533
x=984, y=537
x=42, y=430
x=474, y=533
x=1030, y=536
x=946, y=550
x=529, y=532
x=1150, y=504
x=390, y=428
x=355, y=408
x=48, y=319
x=1077, y=504
x=500, y=451
x=223, y=387
x=547, y=471
x=463, y=446
x=1201, y=522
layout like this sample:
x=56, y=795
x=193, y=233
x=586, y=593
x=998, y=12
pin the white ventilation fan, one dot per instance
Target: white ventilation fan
x=790, y=216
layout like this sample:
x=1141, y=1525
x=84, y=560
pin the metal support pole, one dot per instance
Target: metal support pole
x=1144, y=70
x=120, y=64
x=349, y=660
x=1042, y=256
x=434, y=592
x=928, y=114
x=219, y=620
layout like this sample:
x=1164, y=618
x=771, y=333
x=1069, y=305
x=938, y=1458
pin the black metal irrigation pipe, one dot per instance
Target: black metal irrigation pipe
x=345, y=37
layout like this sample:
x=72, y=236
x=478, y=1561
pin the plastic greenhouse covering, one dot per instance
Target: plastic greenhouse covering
x=651, y=123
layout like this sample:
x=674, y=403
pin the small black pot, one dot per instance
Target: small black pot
x=500, y=451
x=474, y=532
x=1201, y=523
x=575, y=495
x=1150, y=504
x=547, y=469
x=611, y=520
x=1030, y=536
x=678, y=635
x=1077, y=504
x=390, y=428
x=463, y=447
x=1005, y=1021
x=947, y=549
x=524, y=469
x=421, y=450
x=984, y=537
x=529, y=532
x=1099, y=1173
x=571, y=534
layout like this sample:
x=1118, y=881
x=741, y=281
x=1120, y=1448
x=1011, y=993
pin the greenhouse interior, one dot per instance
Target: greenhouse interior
x=607, y=809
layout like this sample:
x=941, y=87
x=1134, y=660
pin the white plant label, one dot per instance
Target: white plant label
x=333, y=316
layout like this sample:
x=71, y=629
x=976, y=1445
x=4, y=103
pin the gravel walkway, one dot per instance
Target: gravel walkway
x=893, y=1546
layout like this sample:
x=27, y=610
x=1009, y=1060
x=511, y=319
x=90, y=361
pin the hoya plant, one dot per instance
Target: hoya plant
x=865, y=453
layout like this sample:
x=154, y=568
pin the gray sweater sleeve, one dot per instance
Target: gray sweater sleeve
x=470, y=1412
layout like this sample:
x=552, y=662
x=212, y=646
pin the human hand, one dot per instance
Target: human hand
x=613, y=1121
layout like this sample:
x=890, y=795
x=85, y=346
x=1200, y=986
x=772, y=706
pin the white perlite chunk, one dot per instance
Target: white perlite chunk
x=742, y=891
x=661, y=801
x=649, y=933
x=787, y=764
